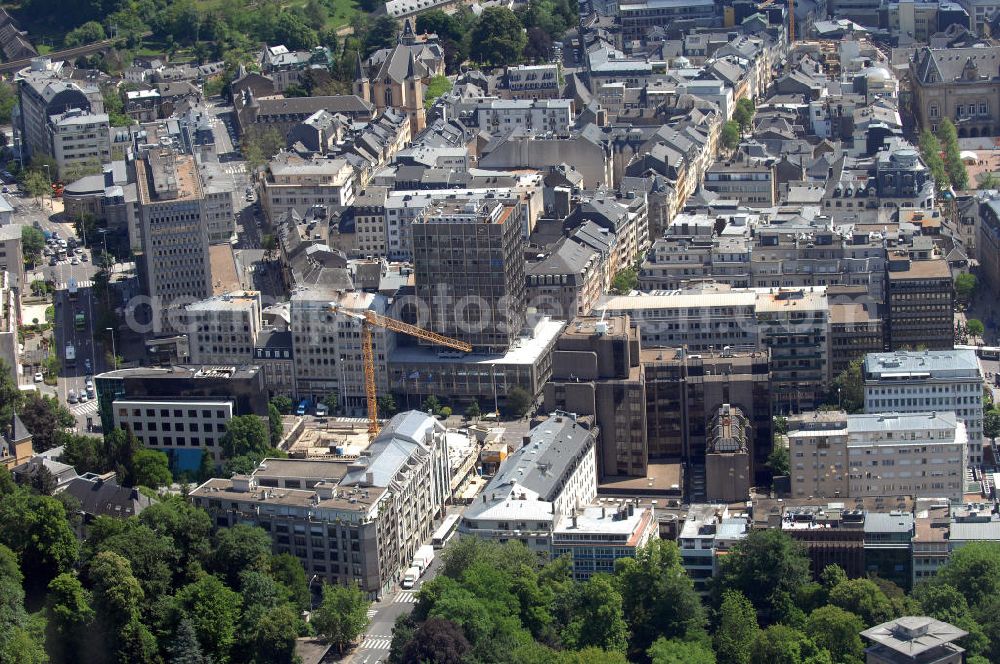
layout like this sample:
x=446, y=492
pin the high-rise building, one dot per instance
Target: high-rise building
x=924, y=381
x=223, y=329
x=174, y=263
x=468, y=258
x=595, y=371
x=920, y=302
x=727, y=462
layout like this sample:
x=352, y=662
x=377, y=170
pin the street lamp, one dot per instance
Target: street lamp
x=104, y=236
x=114, y=353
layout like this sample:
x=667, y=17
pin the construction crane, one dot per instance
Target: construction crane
x=371, y=319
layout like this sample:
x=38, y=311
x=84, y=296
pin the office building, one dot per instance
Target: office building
x=44, y=92
x=751, y=182
x=684, y=391
x=834, y=455
x=548, y=477
x=223, y=329
x=914, y=640
x=638, y=17
x=11, y=254
x=293, y=183
x=595, y=371
x=929, y=381
x=567, y=281
x=174, y=263
x=795, y=327
x=182, y=429
x=708, y=533
x=468, y=259
x=728, y=475
x=347, y=521
x=80, y=142
x=957, y=83
x=920, y=302
x=594, y=537
x=855, y=331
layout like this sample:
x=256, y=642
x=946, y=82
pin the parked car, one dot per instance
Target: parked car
x=86, y=365
x=84, y=258
x=71, y=397
x=83, y=397
x=75, y=261
x=39, y=377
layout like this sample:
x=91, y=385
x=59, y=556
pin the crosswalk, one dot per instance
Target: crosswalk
x=406, y=597
x=235, y=169
x=84, y=408
x=372, y=613
x=86, y=283
x=377, y=642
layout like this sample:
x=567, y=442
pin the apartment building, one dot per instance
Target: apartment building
x=79, y=141
x=11, y=255
x=751, y=182
x=794, y=325
x=929, y=381
x=549, y=476
x=468, y=260
x=286, y=67
x=708, y=533
x=44, y=92
x=567, y=281
x=728, y=464
x=293, y=183
x=174, y=263
x=223, y=329
x=274, y=353
x=596, y=371
x=347, y=521
x=182, y=429
x=834, y=455
x=9, y=323
x=500, y=116
x=534, y=81
x=920, y=301
x=855, y=331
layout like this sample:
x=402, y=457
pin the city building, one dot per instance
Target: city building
x=751, y=182
x=173, y=264
x=11, y=254
x=468, y=260
x=534, y=81
x=500, y=116
x=855, y=331
x=914, y=640
x=10, y=308
x=595, y=371
x=959, y=84
x=931, y=547
x=920, y=298
x=835, y=455
x=638, y=17
x=286, y=67
x=594, y=537
x=293, y=183
x=929, y=381
x=348, y=520
x=708, y=533
x=16, y=448
x=44, y=92
x=223, y=329
x=728, y=475
x=79, y=141
x=548, y=477
x=684, y=391
x=567, y=281
x=184, y=430
x=795, y=327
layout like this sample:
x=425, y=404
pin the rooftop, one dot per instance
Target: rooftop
x=912, y=635
x=922, y=364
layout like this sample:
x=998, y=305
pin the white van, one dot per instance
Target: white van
x=410, y=577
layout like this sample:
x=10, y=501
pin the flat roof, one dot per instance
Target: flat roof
x=527, y=350
x=223, y=264
x=927, y=363
x=913, y=635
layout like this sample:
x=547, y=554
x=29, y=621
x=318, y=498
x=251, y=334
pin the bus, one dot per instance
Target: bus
x=80, y=321
x=73, y=288
x=70, y=355
x=984, y=352
x=447, y=529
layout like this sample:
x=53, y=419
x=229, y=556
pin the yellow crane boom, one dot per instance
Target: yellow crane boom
x=371, y=319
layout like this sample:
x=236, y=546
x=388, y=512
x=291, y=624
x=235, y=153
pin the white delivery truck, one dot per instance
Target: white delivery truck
x=423, y=558
x=410, y=577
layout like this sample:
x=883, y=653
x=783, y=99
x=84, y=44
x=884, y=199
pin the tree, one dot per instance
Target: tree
x=331, y=401
x=431, y=405
x=676, y=651
x=382, y=34
x=43, y=481
x=743, y=113
x=863, y=598
x=45, y=418
x=238, y=548
x=271, y=637
x=36, y=183
x=259, y=145
x=473, y=412
x=930, y=150
x=68, y=617
x=287, y=570
x=19, y=641
x=436, y=640
x=965, y=287
x=152, y=469
x=342, y=615
x=658, y=597
x=387, y=406
x=189, y=528
x=731, y=135
x=737, y=628
x=538, y=45
x=213, y=610
x=519, y=401
x=597, y=618
x=10, y=397
x=778, y=460
x=117, y=598
x=953, y=163
x=848, y=389
x=498, y=38
x=768, y=566
x=275, y=428
x=315, y=12
x=283, y=404
x=991, y=423
x=625, y=281
x=184, y=648
x=37, y=530
x=988, y=181
x=437, y=86
x=32, y=243
x=245, y=434
x=974, y=571
x=838, y=631
x=89, y=32
x=975, y=327
x=84, y=453
x=8, y=99
x=780, y=644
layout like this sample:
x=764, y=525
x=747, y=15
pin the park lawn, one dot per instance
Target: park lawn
x=342, y=13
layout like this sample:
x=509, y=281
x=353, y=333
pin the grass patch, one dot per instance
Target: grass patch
x=437, y=87
x=341, y=13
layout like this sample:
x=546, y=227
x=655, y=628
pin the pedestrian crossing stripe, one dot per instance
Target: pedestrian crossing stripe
x=373, y=643
x=84, y=408
x=372, y=612
x=406, y=597
x=80, y=284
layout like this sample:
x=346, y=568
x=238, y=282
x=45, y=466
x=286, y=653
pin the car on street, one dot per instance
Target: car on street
x=39, y=377
x=86, y=365
x=83, y=397
x=75, y=261
x=84, y=258
x=71, y=397
x=53, y=261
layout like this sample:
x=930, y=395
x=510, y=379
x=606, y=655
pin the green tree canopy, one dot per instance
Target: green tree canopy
x=518, y=401
x=744, y=112
x=676, y=651
x=848, y=389
x=597, y=618
x=863, y=598
x=498, y=38
x=245, y=434
x=737, y=628
x=152, y=469
x=32, y=243
x=965, y=286
x=780, y=644
x=238, y=548
x=46, y=419
x=731, y=135
x=837, y=631
x=342, y=615
x=930, y=150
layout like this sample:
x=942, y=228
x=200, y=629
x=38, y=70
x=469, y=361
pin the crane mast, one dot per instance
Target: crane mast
x=371, y=319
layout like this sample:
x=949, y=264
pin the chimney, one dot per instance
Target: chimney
x=369, y=478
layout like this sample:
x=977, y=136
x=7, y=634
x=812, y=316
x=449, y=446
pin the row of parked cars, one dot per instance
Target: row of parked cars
x=85, y=394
